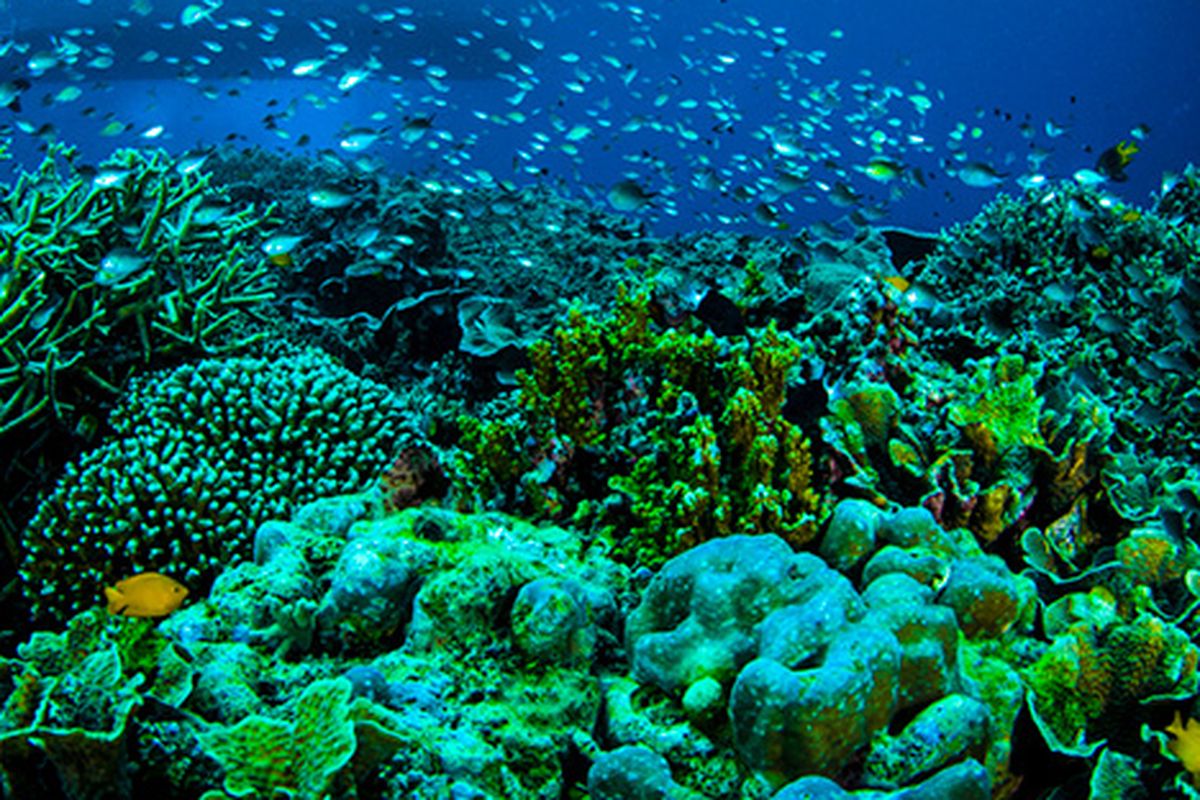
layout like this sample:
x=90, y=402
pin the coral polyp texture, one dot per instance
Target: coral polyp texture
x=198, y=456
x=658, y=436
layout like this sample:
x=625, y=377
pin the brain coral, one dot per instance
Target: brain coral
x=200, y=456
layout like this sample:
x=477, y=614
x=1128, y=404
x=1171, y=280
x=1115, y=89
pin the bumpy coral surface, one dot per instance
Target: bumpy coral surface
x=1101, y=667
x=809, y=671
x=660, y=437
x=200, y=455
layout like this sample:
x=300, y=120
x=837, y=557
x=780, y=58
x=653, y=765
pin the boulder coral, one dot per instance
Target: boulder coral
x=809, y=671
x=199, y=456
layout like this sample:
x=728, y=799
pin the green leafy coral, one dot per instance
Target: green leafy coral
x=68, y=698
x=995, y=447
x=264, y=756
x=662, y=437
x=1100, y=668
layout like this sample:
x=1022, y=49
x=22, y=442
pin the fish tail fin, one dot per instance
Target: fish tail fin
x=1126, y=150
x=116, y=602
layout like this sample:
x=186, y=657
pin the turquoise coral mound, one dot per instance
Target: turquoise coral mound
x=199, y=456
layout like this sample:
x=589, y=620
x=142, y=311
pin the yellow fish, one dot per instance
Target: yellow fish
x=897, y=282
x=1113, y=161
x=1186, y=744
x=145, y=595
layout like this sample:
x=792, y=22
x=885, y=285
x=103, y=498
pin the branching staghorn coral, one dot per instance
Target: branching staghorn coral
x=102, y=275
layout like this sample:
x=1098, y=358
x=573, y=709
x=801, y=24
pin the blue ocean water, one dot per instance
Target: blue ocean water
x=311, y=485
x=681, y=97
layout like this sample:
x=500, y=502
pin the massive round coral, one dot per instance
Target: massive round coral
x=202, y=455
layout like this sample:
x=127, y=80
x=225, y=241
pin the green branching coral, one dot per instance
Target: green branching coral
x=102, y=276
x=661, y=437
x=201, y=455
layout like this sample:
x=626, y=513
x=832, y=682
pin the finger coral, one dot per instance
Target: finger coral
x=662, y=437
x=199, y=457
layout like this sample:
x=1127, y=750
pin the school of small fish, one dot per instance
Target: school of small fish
x=656, y=120
x=732, y=122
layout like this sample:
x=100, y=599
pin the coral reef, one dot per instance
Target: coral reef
x=996, y=447
x=422, y=652
x=428, y=616
x=69, y=700
x=260, y=755
x=341, y=708
x=797, y=517
x=1101, y=668
x=1180, y=200
x=104, y=276
x=412, y=269
x=660, y=437
x=106, y=273
x=200, y=455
